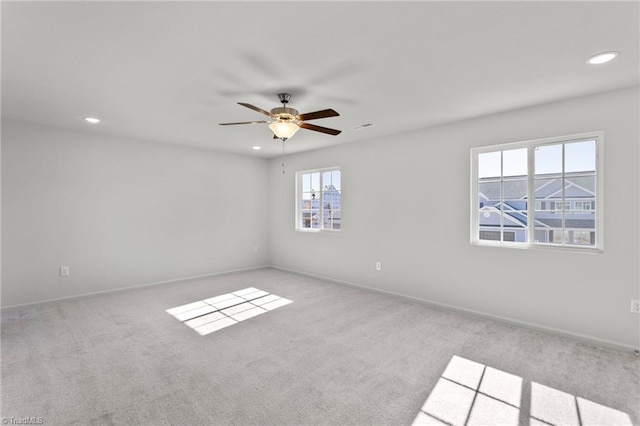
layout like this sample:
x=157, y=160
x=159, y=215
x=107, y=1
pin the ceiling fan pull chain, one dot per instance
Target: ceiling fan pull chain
x=283, y=139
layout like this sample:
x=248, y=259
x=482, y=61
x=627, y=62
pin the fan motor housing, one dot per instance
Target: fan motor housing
x=285, y=113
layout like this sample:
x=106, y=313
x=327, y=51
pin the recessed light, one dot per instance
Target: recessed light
x=602, y=58
x=256, y=148
x=92, y=120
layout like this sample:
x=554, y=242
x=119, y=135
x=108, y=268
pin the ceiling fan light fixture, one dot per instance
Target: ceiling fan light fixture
x=283, y=129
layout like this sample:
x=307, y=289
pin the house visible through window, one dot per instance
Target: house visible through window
x=319, y=200
x=540, y=193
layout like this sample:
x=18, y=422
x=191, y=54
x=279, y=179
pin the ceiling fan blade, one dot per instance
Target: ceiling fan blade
x=243, y=122
x=321, y=129
x=318, y=114
x=255, y=108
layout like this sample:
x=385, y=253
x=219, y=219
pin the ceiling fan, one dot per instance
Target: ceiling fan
x=286, y=121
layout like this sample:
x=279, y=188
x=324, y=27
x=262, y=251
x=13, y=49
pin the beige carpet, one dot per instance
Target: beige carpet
x=335, y=355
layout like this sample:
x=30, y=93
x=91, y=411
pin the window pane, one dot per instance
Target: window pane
x=559, y=237
x=582, y=237
x=489, y=164
x=489, y=193
x=489, y=218
x=315, y=219
x=331, y=199
x=337, y=219
x=490, y=235
x=315, y=181
x=580, y=187
x=306, y=219
x=326, y=219
x=514, y=230
x=548, y=220
x=515, y=191
x=306, y=202
x=326, y=180
x=581, y=217
x=335, y=179
x=509, y=236
x=514, y=162
x=306, y=182
x=514, y=209
x=580, y=156
x=548, y=159
x=547, y=191
x=541, y=235
x=583, y=224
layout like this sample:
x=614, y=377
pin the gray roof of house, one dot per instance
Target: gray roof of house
x=576, y=187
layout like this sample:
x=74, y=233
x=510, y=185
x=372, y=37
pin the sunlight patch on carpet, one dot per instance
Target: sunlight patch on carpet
x=213, y=314
x=551, y=406
x=470, y=393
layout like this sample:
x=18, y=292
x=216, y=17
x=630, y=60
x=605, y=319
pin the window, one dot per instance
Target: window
x=583, y=205
x=558, y=205
x=318, y=200
x=562, y=177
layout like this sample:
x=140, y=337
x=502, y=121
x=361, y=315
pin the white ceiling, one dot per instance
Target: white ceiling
x=171, y=71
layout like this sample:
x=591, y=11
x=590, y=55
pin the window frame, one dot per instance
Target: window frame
x=298, y=199
x=531, y=243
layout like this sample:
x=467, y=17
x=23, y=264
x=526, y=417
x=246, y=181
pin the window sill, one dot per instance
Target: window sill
x=540, y=247
x=318, y=231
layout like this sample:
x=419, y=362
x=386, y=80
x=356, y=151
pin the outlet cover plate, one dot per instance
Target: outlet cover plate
x=64, y=271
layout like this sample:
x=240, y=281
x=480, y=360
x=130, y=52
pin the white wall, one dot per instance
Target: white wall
x=406, y=204
x=122, y=213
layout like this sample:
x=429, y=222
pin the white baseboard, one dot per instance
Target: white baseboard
x=97, y=293
x=523, y=324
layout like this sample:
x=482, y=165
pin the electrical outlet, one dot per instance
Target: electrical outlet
x=378, y=266
x=255, y=249
x=635, y=306
x=64, y=271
